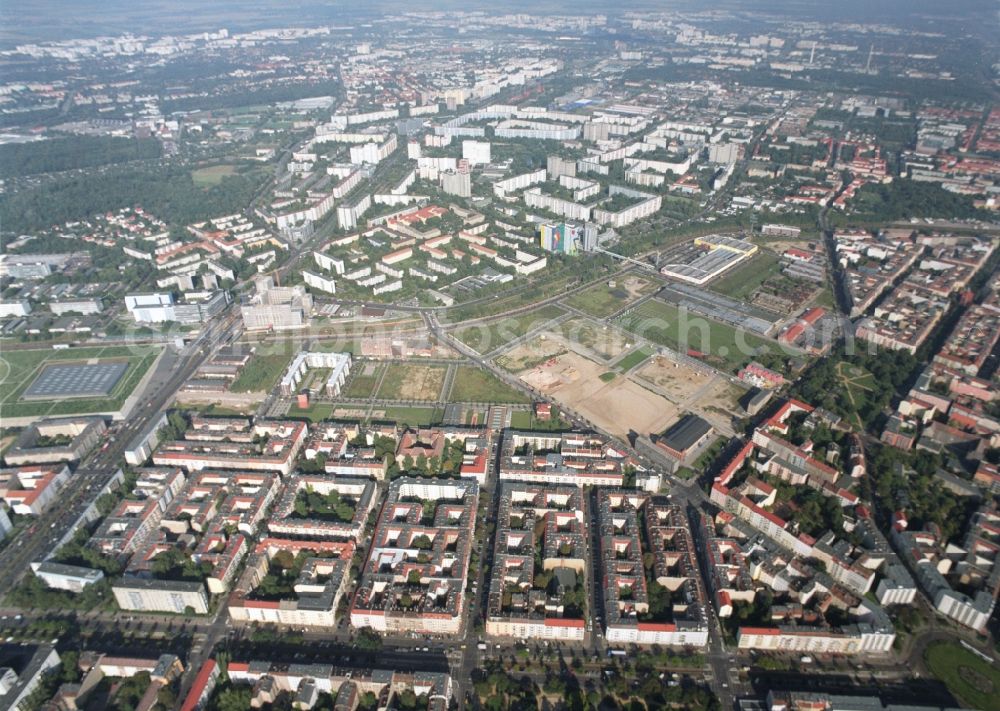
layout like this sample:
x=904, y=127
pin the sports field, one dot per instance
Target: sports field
x=212, y=175
x=36, y=370
x=717, y=343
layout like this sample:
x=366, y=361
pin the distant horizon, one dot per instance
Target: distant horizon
x=34, y=21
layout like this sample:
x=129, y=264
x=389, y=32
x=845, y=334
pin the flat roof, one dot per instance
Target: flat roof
x=684, y=433
x=76, y=380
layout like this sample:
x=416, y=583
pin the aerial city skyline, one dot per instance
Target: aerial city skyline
x=532, y=356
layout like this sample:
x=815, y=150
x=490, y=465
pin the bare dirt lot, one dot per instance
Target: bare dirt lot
x=691, y=387
x=678, y=381
x=618, y=406
x=606, y=341
x=530, y=353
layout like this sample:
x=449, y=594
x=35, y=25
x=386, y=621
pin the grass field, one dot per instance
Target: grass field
x=487, y=337
x=504, y=304
x=526, y=420
x=746, y=278
x=19, y=368
x=720, y=344
x=364, y=381
x=970, y=679
x=475, y=385
x=314, y=413
x=415, y=416
x=212, y=175
x=825, y=299
x=639, y=355
x=412, y=382
x=603, y=300
x=262, y=372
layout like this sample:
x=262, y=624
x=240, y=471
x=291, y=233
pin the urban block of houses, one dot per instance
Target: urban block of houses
x=539, y=573
x=961, y=581
x=417, y=569
x=321, y=576
x=305, y=682
x=30, y=490
x=233, y=443
x=336, y=446
x=659, y=603
x=342, y=507
x=338, y=365
x=209, y=522
x=572, y=458
x=50, y=441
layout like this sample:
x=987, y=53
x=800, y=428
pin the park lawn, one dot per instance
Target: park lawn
x=970, y=679
x=744, y=279
x=858, y=383
x=212, y=175
x=719, y=343
x=404, y=381
x=362, y=386
x=487, y=337
x=475, y=385
x=602, y=300
x=633, y=359
x=608, y=376
x=261, y=373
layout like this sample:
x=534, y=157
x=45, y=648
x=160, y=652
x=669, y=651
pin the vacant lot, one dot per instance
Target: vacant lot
x=972, y=680
x=522, y=297
x=19, y=368
x=605, y=299
x=475, y=385
x=606, y=341
x=488, y=337
x=530, y=353
x=364, y=380
x=678, y=381
x=719, y=344
x=262, y=373
x=412, y=382
x=617, y=406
